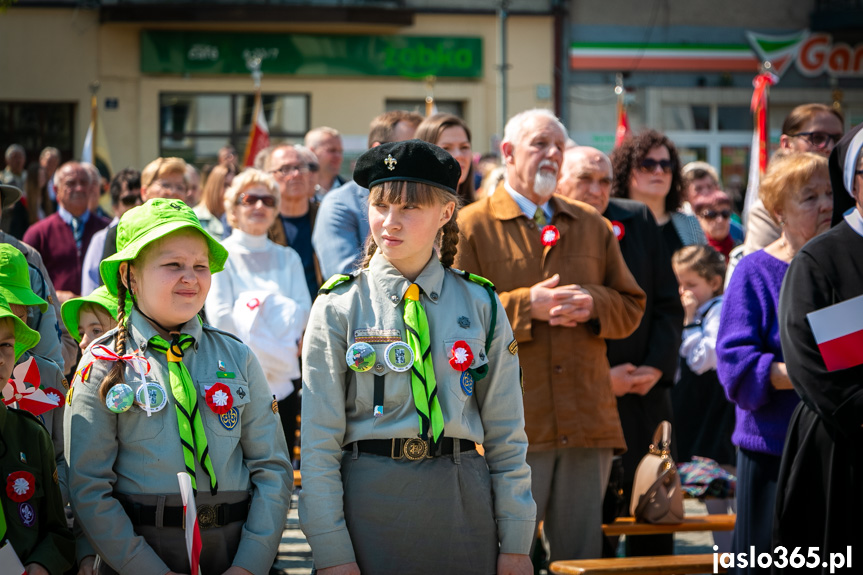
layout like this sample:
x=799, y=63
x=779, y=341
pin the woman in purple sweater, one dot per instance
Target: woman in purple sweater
x=796, y=191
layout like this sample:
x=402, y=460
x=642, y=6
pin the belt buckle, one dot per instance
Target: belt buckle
x=206, y=516
x=415, y=449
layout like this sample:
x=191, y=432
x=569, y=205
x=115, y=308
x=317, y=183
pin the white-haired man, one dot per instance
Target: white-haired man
x=565, y=287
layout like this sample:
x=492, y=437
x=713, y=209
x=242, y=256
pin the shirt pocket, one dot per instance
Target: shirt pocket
x=133, y=425
x=226, y=424
x=396, y=384
x=460, y=383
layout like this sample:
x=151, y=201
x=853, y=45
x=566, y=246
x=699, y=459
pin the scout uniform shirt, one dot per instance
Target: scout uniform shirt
x=338, y=402
x=35, y=522
x=130, y=453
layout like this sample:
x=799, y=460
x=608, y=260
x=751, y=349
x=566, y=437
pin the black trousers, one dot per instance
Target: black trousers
x=289, y=409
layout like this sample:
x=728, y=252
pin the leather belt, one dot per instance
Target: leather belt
x=412, y=448
x=209, y=516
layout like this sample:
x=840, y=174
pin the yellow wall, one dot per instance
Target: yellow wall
x=54, y=54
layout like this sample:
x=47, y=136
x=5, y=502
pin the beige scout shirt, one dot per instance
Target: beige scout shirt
x=338, y=402
x=131, y=453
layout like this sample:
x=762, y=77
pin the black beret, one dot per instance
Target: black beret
x=411, y=161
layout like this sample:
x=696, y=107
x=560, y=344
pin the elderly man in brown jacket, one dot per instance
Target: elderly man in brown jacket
x=561, y=277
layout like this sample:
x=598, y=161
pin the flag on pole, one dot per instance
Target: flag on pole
x=95, y=149
x=259, y=135
x=838, y=331
x=623, y=132
x=193, y=532
x=760, y=150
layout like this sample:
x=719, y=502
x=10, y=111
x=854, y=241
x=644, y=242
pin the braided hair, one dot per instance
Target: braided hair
x=115, y=376
x=400, y=192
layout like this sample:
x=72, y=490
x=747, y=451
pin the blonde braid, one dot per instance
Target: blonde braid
x=115, y=376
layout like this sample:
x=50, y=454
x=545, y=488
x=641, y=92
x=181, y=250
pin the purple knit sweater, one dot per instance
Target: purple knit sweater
x=748, y=342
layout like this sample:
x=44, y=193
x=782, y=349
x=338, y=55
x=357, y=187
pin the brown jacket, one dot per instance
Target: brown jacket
x=567, y=393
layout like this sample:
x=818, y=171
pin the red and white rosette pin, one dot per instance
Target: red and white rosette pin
x=618, y=229
x=550, y=235
x=20, y=486
x=461, y=357
x=219, y=398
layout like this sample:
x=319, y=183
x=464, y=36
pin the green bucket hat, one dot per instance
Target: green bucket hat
x=147, y=223
x=71, y=309
x=25, y=338
x=15, y=279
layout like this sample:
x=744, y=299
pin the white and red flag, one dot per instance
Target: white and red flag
x=24, y=388
x=259, y=135
x=193, y=531
x=838, y=331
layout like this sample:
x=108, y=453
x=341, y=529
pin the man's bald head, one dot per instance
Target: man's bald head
x=586, y=176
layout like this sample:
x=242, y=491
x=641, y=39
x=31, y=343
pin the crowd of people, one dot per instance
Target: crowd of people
x=475, y=345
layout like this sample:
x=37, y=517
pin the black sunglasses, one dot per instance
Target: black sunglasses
x=818, y=139
x=713, y=214
x=130, y=200
x=648, y=165
x=252, y=199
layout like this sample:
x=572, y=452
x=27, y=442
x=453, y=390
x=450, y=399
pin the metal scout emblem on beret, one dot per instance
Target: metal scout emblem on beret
x=390, y=162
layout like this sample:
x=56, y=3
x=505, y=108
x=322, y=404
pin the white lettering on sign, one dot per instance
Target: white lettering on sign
x=818, y=54
x=203, y=52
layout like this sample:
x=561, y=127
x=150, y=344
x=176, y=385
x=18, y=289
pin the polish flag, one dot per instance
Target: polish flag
x=259, y=135
x=193, y=533
x=838, y=331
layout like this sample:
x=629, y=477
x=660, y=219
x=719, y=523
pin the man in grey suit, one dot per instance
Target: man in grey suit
x=342, y=223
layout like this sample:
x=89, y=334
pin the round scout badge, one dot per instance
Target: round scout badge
x=20, y=486
x=467, y=382
x=219, y=399
x=151, y=392
x=550, y=235
x=618, y=229
x=399, y=356
x=120, y=398
x=462, y=356
x=361, y=356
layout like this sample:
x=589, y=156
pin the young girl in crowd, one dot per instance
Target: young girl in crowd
x=704, y=418
x=406, y=366
x=89, y=318
x=32, y=525
x=162, y=394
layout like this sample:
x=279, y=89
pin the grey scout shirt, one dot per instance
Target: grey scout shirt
x=338, y=402
x=131, y=453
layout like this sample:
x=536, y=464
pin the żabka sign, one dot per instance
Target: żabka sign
x=813, y=53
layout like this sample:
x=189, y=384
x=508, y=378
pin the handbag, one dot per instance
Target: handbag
x=657, y=496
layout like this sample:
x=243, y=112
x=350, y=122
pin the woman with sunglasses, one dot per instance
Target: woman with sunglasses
x=808, y=128
x=647, y=169
x=714, y=214
x=262, y=296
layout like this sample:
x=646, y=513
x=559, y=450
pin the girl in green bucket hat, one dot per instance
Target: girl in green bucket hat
x=169, y=394
x=90, y=317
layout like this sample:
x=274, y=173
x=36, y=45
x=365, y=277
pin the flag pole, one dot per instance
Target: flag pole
x=430, y=83
x=94, y=115
x=253, y=63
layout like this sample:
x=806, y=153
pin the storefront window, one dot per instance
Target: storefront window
x=36, y=126
x=195, y=126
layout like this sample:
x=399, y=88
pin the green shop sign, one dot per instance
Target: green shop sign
x=173, y=52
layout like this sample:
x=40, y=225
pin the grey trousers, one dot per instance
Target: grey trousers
x=569, y=486
x=430, y=516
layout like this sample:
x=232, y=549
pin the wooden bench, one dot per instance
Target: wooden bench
x=660, y=565
x=628, y=526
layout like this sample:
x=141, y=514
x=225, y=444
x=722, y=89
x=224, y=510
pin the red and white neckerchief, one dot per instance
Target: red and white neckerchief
x=20, y=486
x=461, y=357
x=618, y=229
x=550, y=235
x=219, y=398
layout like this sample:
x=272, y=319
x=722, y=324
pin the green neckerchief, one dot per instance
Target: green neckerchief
x=423, y=383
x=192, y=435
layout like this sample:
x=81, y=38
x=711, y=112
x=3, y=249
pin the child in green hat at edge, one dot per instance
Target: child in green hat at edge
x=170, y=394
x=90, y=317
x=15, y=288
x=32, y=524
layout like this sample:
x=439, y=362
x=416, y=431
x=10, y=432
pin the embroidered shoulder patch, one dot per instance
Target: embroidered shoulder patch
x=513, y=347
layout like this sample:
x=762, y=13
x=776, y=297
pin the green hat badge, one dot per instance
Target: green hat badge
x=145, y=224
x=15, y=279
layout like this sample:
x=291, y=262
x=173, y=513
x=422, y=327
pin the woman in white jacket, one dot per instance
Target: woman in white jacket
x=262, y=296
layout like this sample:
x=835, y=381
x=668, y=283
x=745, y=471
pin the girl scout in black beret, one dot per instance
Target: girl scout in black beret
x=407, y=365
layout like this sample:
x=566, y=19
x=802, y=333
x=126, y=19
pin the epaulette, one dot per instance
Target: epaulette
x=336, y=281
x=27, y=415
x=474, y=278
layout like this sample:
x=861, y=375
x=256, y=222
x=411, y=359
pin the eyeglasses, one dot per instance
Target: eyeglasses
x=177, y=188
x=130, y=200
x=649, y=165
x=289, y=169
x=818, y=139
x=253, y=199
x=713, y=214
